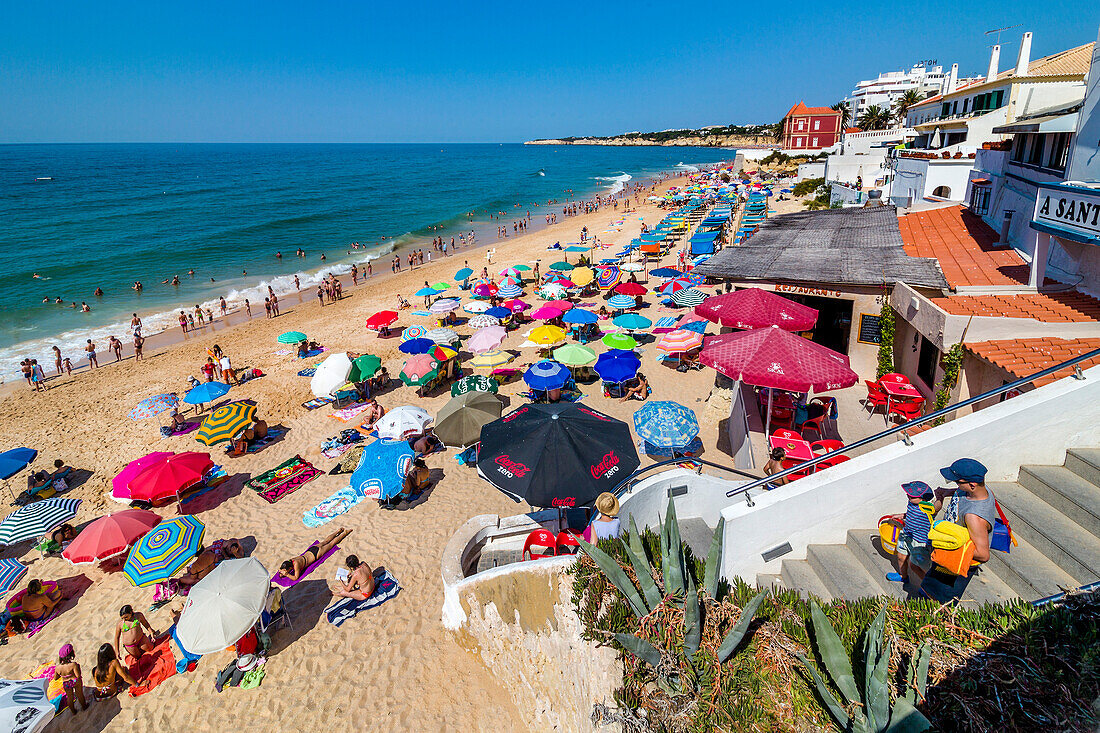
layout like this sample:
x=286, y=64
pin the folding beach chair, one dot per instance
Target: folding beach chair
x=274, y=612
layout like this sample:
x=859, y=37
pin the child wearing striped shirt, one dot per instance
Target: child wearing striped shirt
x=914, y=550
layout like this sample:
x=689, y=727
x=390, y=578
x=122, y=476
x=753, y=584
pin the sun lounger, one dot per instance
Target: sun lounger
x=385, y=588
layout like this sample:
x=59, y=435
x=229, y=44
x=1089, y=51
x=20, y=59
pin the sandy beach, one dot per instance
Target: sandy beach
x=391, y=668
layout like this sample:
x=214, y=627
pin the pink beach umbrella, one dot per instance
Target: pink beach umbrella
x=680, y=342
x=487, y=339
x=562, y=305
x=120, y=484
x=516, y=306
x=546, y=313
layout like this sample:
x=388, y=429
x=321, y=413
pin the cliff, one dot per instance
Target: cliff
x=694, y=140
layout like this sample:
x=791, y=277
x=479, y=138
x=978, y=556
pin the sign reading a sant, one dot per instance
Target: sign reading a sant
x=1074, y=210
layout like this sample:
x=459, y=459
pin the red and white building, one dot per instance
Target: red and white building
x=810, y=128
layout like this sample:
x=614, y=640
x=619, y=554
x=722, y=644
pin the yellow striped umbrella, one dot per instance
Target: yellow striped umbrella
x=225, y=422
x=490, y=359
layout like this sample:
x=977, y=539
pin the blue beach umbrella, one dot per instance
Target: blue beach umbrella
x=699, y=326
x=632, y=322
x=666, y=424
x=416, y=346
x=427, y=292
x=15, y=460
x=621, y=302
x=463, y=274
x=10, y=572
x=510, y=291
x=617, y=365
x=382, y=468
x=579, y=317
x=546, y=375
x=498, y=312
x=154, y=405
x=665, y=272
x=164, y=550
x=206, y=392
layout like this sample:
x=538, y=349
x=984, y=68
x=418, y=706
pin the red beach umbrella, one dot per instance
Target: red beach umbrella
x=772, y=357
x=629, y=288
x=168, y=478
x=515, y=305
x=381, y=319
x=756, y=308
x=109, y=536
x=119, y=484
x=562, y=305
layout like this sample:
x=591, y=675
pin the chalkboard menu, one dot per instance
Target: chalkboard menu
x=870, y=329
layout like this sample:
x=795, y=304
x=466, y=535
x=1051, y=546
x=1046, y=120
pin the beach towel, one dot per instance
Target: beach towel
x=665, y=324
x=284, y=352
x=33, y=627
x=310, y=354
x=422, y=313
x=385, y=588
x=284, y=582
x=336, y=451
x=339, y=503
x=153, y=668
x=345, y=414
x=286, y=478
x=316, y=402
x=307, y=372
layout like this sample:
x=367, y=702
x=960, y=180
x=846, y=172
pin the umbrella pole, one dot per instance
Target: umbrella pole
x=768, y=418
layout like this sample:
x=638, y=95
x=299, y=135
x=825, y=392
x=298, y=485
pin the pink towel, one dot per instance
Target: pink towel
x=284, y=582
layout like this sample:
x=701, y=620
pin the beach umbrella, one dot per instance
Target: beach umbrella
x=223, y=606
x=364, y=367
x=556, y=455
x=785, y=190
x=674, y=285
x=119, y=484
x=546, y=313
x=168, y=547
x=756, y=308
x=426, y=292
x=512, y=273
x=490, y=360
x=631, y=267
x=680, y=341
x=205, y=392
x=574, y=355
x=562, y=305
x=565, y=283
x=460, y=421
x=413, y=332
x=688, y=297
x=25, y=706
x=441, y=286
x=170, y=477
x=666, y=424
x=617, y=365
x=510, y=291
x=483, y=321
x=463, y=274
x=403, y=422
x=419, y=370
x=154, y=405
x=631, y=289
x=579, y=317
x=547, y=335
x=474, y=383
x=225, y=422
x=487, y=339
x=445, y=305
x=442, y=336
x=498, y=312
x=291, y=337
x=621, y=302
x=632, y=322
x=773, y=357
x=486, y=290
x=522, y=268
x=552, y=291
x=382, y=467
x=619, y=341
x=608, y=277
x=35, y=519
x=516, y=306
x=582, y=276
x=332, y=374
x=696, y=279
x=381, y=319
x=15, y=460
x=476, y=306
x=546, y=375
x=11, y=571
x=442, y=353
x=665, y=272
x=109, y=536
x=416, y=346
x=560, y=267
x=576, y=248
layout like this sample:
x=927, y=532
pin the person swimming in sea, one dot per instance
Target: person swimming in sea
x=98, y=292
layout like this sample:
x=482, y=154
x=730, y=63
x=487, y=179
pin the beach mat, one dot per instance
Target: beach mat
x=385, y=588
x=284, y=582
x=316, y=402
x=307, y=372
x=339, y=503
x=153, y=667
x=286, y=478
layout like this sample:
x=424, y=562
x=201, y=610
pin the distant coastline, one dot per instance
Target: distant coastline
x=730, y=136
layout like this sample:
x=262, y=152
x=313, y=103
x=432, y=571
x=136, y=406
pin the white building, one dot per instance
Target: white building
x=889, y=87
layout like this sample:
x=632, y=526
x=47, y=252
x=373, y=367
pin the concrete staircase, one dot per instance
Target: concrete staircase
x=1054, y=512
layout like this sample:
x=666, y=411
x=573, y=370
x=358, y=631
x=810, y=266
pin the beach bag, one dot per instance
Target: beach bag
x=889, y=527
x=1002, y=538
x=957, y=561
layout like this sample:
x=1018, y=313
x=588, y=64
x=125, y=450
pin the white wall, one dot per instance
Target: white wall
x=920, y=177
x=1034, y=428
x=816, y=169
x=846, y=168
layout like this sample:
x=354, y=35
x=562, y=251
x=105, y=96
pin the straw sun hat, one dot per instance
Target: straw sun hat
x=607, y=504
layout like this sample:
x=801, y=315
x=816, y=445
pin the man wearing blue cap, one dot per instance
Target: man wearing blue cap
x=977, y=507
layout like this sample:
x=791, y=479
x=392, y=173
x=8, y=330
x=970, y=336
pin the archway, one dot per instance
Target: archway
x=943, y=192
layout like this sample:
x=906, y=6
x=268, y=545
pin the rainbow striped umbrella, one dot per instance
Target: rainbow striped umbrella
x=511, y=272
x=151, y=406
x=168, y=547
x=608, y=277
x=413, y=332
x=10, y=573
x=225, y=422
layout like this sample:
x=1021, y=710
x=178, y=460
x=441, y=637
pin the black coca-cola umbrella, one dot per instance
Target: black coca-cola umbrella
x=558, y=455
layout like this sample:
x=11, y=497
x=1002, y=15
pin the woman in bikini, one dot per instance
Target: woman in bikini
x=129, y=632
x=295, y=566
x=108, y=673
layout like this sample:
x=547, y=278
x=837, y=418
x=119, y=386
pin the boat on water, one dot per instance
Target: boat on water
x=44, y=178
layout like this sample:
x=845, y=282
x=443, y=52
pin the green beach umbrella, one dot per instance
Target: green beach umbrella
x=561, y=267
x=441, y=286
x=474, y=383
x=460, y=421
x=574, y=355
x=291, y=337
x=619, y=341
x=521, y=268
x=365, y=367
x=419, y=370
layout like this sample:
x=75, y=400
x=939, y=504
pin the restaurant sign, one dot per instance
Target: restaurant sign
x=1070, y=211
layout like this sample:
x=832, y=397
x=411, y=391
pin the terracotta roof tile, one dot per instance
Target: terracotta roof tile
x=1021, y=357
x=1068, y=62
x=964, y=245
x=1068, y=307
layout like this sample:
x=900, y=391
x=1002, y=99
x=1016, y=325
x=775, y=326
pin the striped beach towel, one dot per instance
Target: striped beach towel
x=665, y=324
x=385, y=588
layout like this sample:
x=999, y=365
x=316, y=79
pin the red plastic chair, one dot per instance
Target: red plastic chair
x=817, y=424
x=540, y=538
x=832, y=462
x=894, y=377
x=567, y=543
x=791, y=463
x=782, y=416
x=907, y=409
x=876, y=397
x=821, y=447
x=784, y=434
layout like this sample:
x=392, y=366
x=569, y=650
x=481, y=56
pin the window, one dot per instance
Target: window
x=979, y=200
x=1038, y=142
x=1019, y=145
x=998, y=97
x=945, y=109
x=817, y=124
x=1059, y=151
x=814, y=143
x=802, y=124
x=927, y=361
x=966, y=103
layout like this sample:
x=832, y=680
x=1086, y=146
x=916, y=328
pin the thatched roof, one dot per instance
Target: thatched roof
x=842, y=246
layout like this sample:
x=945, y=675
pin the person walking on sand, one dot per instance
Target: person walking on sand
x=370, y=269
x=227, y=370
x=183, y=322
x=139, y=341
x=267, y=307
x=221, y=302
x=321, y=295
x=115, y=345
x=57, y=358
x=247, y=308
x=90, y=351
x=354, y=275
x=274, y=305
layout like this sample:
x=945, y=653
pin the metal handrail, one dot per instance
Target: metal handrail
x=625, y=483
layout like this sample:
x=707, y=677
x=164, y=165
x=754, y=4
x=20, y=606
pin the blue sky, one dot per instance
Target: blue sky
x=442, y=71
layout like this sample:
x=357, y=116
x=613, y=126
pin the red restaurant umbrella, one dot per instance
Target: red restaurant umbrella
x=168, y=478
x=110, y=535
x=382, y=319
x=756, y=308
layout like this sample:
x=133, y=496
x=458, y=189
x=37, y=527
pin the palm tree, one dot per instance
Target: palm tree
x=908, y=98
x=874, y=118
x=776, y=131
x=845, y=113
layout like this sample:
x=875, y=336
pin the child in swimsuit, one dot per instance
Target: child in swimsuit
x=68, y=671
x=131, y=635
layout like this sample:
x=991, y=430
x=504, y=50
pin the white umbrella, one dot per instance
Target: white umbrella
x=402, y=422
x=223, y=606
x=483, y=321
x=24, y=706
x=442, y=335
x=331, y=375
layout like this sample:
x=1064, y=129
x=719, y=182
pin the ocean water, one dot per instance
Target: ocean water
x=112, y=214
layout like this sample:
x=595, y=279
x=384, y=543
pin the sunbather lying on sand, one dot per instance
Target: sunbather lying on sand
x=361, y=583
x=295, y=566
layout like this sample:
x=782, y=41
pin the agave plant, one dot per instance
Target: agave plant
x=869, y=710
x=679, y=590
